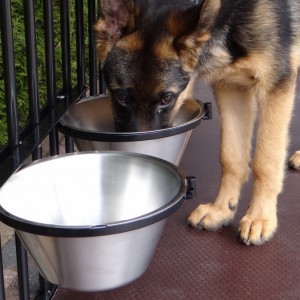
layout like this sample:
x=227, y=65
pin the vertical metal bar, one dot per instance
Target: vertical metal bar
x=66, y=59
x=32, y=70
x=22, y=270
x=12, y=122
x=65, y=45
x=79, y=13
x=69, y=144
x=92, y=48
x=37, y=153
x=45, y=287
x=9, y=72
x=46, y=290
x=50, y=69
x=2, y=287
x=102, y=86
x=49, y=52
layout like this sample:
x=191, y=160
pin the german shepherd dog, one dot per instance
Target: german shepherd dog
x=248, y=50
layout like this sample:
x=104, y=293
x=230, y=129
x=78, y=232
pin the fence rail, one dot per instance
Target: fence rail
x=26, y=141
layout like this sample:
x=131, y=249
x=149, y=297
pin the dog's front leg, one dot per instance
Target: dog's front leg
x=260, y=221
x=237, y=114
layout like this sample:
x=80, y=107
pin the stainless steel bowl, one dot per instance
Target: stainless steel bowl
x=90, y=122
x=94, y=220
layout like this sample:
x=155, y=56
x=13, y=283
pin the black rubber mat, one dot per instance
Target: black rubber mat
x=191, y=264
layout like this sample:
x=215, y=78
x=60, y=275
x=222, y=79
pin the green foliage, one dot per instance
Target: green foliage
x=20, y=58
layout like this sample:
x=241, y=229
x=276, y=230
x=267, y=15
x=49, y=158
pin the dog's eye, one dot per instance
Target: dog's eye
x=122, y=98
x=166, y=100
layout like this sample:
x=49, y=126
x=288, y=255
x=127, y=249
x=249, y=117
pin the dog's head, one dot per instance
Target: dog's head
x=148, y=51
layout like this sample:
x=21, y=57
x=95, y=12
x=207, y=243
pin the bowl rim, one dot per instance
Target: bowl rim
x=97, y=229
x=91, y=135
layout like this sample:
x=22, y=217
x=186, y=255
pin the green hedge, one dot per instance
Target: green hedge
x=20, y=59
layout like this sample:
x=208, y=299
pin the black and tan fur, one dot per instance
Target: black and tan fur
x=248, y=50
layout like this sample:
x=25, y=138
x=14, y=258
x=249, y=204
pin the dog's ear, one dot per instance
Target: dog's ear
x=116, y=20
x=193, y=30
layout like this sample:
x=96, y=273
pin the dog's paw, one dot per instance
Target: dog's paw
x=294, y=161
x=210, y=216
x=257, y=230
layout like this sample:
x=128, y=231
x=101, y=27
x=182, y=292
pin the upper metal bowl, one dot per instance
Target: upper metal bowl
x=90, y=122
x=92, y=119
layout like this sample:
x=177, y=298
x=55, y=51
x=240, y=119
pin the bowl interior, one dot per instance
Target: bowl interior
x=90, y=189
x=95, y=115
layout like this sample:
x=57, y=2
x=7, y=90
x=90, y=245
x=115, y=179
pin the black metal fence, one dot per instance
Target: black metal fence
x=26, y=141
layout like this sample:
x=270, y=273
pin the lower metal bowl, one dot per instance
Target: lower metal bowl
x=94, y=220
x=91, y=123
